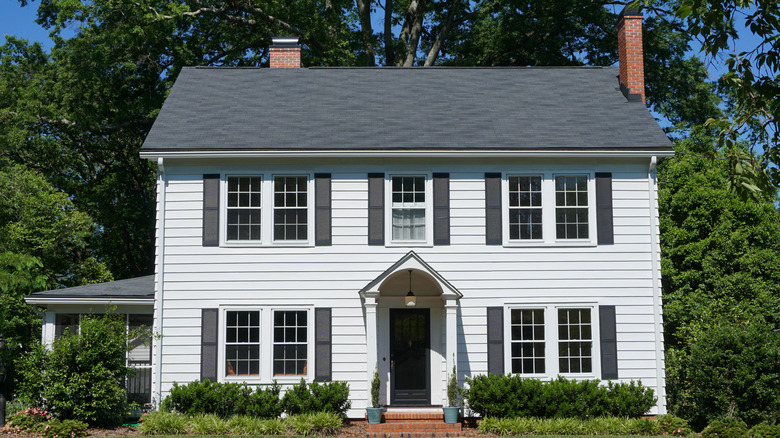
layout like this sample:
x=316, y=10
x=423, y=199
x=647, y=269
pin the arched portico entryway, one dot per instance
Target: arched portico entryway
x=411, y=344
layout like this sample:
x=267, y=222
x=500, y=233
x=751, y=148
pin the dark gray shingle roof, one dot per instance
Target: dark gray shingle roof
x=139, y=287
x=212, y=109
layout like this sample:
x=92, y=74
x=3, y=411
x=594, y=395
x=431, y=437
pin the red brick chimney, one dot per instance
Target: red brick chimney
x=630, y=55
x=285, y=52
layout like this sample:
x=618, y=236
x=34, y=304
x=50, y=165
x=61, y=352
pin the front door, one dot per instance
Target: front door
x=410, y=357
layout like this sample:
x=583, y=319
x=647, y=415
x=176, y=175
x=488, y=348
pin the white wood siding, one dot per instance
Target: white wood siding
x=198, y=277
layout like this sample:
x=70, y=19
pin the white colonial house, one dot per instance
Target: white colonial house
x=319, y=223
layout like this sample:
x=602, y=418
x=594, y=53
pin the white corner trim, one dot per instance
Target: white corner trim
x=655, y=268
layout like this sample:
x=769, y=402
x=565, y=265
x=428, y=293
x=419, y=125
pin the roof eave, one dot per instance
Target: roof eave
x=45, y=301
x=660, y=151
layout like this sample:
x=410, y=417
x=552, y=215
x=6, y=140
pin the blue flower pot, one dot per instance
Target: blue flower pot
x=451, y=414
x=374, y=415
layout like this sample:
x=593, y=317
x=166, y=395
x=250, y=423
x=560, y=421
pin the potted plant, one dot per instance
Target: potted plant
x=451, y=412
x=374, y=413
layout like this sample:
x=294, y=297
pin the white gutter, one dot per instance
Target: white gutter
x=655, y=250
x=47, y=301
x=158, y=311
x=452, y=153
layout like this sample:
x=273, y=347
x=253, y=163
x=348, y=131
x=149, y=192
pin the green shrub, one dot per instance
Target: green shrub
x=30, y=420
x=513, y=396
x=82, y=376
x=725, y=428
x=326, y=397
x=568, y=426
x=764, y=430
x=65, y=429
x=163, y=423
x=671, y=425
x=223, y=399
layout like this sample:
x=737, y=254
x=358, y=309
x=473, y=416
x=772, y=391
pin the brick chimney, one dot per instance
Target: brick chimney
x=285, y=52
x=630, y=55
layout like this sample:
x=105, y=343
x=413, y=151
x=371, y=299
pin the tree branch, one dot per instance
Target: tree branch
x=443, y=33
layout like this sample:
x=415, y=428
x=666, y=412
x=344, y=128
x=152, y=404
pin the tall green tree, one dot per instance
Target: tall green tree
x=720, y=268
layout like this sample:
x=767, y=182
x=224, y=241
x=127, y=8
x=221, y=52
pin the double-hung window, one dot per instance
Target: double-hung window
x=263, y=344
x=410, y=209
x=547, y=208
x=547, y=340
x=267, y=209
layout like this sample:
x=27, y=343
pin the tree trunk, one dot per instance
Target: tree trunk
x=364, y=11
x=415, y=19
x=389, y=49
x=443, y=33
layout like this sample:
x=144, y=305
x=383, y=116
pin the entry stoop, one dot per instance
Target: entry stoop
x=413, y=423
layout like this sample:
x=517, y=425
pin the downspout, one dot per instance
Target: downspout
x=158, y=317
x=655, y=249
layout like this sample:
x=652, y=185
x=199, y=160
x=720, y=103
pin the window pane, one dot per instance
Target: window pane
x=527, y=331
x=571, y=201
x=290, y=344
x=244, y=208
x=242, y=343
x=290, y=212
x=408, y=224
x=525, y=221
x=575, y=347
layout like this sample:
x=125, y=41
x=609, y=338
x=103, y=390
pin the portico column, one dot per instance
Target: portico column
x=451, y=308
x=371, y=347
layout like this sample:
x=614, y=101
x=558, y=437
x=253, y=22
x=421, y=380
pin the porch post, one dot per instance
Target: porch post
x=451, y=307
x=371, y=348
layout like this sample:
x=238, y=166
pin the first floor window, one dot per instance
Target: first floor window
x=408, y=208
x=290, y=345
x=242, y=343
x=571, y=207
x=546, y=340
x=528, y=341
x=575, y=341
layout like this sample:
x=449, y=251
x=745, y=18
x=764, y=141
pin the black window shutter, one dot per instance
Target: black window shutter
x=322, y=345
x=495, y=340
x=608, y=337
x=322, y=210
x=208, y=344
x=376, y=208
x=441, y=208
x=493, y=209
x=211, y=210
x=604, y=219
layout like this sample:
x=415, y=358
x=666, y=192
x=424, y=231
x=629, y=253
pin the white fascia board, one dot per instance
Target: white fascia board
x=602, y=153
x=51, y=301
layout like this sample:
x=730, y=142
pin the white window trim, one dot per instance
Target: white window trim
x=548, y=209
x=551, y=365
x=267, y=210
x=266, y=345
x=428, y=242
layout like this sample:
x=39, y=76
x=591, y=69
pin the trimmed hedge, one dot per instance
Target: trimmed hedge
x=223, y=399
x=228, y=399
x=512, y=396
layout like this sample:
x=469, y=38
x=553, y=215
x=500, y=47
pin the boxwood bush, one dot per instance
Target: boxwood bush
x=224, y=399
x=513, y=396
x=318, y=397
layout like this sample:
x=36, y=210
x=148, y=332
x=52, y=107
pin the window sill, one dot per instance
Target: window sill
x=556, y=244
x=267, y=245
x=252, y=380
x=409, y=245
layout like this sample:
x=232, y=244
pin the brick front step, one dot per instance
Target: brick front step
x=413, y=434
x=414, y=426
x=392, y=417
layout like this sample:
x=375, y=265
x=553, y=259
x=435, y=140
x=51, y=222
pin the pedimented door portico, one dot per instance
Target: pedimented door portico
x=384, y=301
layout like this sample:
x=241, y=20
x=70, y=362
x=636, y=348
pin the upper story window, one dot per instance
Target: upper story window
x=410, y=209
x=549, y=208
x=290, y=208
x=267, y=209
x=525, y=207
x=244, y=208
x=571, y=206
